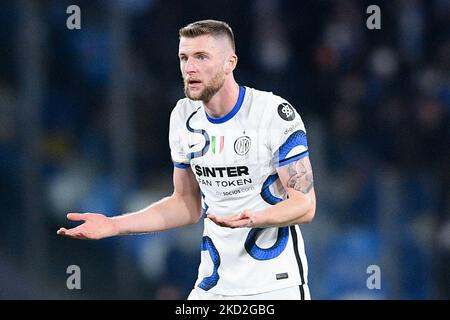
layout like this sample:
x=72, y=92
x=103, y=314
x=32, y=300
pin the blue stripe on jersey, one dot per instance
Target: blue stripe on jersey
x=231, y=114
x=297, y=138
x=181, y=165
x=265, y=191
x=204, y=211
x=205, y=208
x=266, y=253
x=293, y=158
x=209, y=282
x=204, y=150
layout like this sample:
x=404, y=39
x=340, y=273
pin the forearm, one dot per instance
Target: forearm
x=300, y=206
x=170, y=212
x=288, y=212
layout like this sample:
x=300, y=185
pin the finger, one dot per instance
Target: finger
x=79, y=236
x=244, y=214
x=76, y=216
x=214, y=218
x=61, y=231
x=237, y=224
x=77, y=232
x=75, y=235
x=236, y=217
x=233, y=217
x=234, y=222
x=252, y=218
x=219, y=221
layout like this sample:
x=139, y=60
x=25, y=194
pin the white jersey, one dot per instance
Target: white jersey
x=234, y=159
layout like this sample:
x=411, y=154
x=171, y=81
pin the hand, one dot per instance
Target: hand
x=245, y=219
x=96, y=226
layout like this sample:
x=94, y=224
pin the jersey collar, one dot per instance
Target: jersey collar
x=231, y=114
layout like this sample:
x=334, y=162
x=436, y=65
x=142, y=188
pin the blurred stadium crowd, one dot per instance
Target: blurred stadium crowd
x=84, y=124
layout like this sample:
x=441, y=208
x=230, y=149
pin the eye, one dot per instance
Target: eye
x=183, y=58
x=201, y=57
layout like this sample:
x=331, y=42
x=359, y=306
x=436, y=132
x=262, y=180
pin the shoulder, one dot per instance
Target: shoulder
x=183, y=109
x=260, y=95
x=273, y=104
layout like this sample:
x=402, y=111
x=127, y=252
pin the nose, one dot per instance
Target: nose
x=189, y=66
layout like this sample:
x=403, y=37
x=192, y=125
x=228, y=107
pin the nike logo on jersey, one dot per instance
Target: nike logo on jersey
x=192, y=145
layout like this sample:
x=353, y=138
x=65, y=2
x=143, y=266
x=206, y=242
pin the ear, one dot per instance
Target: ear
x=230, y=63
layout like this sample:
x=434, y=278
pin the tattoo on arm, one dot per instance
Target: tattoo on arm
x=300, y=176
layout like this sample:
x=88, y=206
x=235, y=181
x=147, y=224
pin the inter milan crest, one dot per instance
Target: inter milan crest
x=242, y=145
x=286, y=112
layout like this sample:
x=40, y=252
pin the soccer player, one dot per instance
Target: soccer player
x=241, y=163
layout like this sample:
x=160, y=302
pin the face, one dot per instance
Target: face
x=202, y=64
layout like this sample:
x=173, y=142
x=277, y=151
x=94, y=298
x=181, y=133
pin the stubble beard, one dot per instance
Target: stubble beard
x=211, y=88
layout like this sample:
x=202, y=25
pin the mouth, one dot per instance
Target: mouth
x=193, y=83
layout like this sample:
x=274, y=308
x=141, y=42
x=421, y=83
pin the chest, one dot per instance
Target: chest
x=222, y=146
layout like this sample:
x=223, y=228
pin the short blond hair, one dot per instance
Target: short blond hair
x=212, y=27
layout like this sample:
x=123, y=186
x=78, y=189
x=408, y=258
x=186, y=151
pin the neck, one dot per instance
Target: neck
x=224, y=100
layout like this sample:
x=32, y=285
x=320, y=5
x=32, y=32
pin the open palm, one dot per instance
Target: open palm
x=96, y=226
